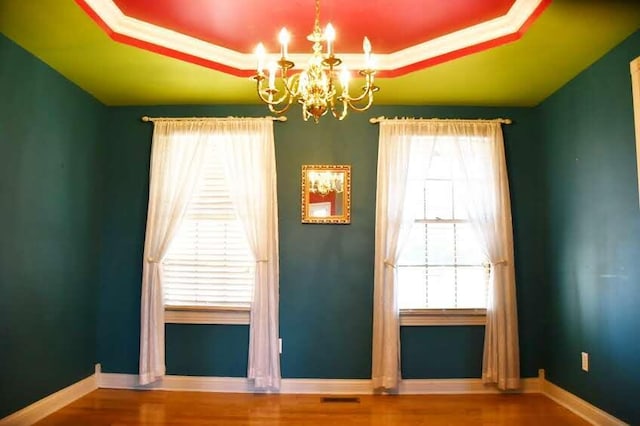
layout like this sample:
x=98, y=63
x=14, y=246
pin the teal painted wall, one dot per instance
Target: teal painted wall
x=326, y=271
x=427, y=352
x=49, y=229
x=594, y=235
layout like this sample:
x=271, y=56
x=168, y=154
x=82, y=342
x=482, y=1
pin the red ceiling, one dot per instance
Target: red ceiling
x=241, y=24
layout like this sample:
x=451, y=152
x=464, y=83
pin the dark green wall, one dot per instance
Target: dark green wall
x=49, y=229
x=594, y=235
x=326, y=271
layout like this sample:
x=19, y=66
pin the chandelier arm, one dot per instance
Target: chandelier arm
x=283, y=110
x=368, y=88
x=354, y=107
x=334, y=110
x=272, y=102
x=268, y=101
x=288, y=83
x=365, y=91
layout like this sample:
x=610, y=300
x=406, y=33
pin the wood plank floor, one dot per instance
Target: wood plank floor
x=124, y=407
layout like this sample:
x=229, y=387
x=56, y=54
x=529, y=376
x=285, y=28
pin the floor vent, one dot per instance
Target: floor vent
x=331, y=399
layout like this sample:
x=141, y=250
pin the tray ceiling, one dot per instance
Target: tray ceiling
x=419, y=59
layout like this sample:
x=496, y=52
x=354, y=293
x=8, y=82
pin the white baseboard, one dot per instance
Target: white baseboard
x=177, y=383
x=327, y=386
x=460, y=386
x=579, y=406
x=235, y=384
x=307, y=386
x=42, y=408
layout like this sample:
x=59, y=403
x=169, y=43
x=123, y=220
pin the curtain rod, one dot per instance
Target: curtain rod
x=146, y=118
x=375, y=120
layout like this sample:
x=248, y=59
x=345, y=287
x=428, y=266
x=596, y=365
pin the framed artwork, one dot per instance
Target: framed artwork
x=326, y=194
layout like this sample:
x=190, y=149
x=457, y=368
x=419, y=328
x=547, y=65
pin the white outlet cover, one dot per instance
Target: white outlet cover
x=585, y=361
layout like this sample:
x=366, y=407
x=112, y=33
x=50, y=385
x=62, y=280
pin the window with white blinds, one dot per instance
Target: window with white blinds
x=441, y=265
x=209, y=262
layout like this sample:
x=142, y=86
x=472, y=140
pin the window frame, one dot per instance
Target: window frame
x=207, y=314
x=442, y=316
x=437, y=317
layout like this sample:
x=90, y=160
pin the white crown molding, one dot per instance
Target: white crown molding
x=505, y=25
x=124, y=25
x=502, y=26
x=42, y=408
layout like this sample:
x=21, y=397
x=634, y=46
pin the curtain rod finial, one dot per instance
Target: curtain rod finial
x=145, y=118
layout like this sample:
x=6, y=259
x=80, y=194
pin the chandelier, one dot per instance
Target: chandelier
x=318, y=88
x=325, y=182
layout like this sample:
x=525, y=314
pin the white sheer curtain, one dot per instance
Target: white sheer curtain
x=480, y=155
x=480, y=149
x=251, y=171
x=178, y=151
x=177, y=154
x=392, y=226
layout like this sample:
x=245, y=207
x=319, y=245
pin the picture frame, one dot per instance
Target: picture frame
x=326, y=194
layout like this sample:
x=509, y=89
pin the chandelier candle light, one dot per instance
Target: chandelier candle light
x=314, y=87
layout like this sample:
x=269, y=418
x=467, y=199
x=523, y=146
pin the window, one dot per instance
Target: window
x=209, y=265
x=441, y=266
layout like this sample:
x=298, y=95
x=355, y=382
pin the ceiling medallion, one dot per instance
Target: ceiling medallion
x=315, y=87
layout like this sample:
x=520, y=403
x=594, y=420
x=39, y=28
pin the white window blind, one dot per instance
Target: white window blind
x=209, y=263
x=441, y=265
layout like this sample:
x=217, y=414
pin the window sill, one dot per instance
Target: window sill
x=420, y=317
x=202, y=315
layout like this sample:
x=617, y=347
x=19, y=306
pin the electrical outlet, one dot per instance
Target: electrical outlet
x=585, y=361
x=280, y=345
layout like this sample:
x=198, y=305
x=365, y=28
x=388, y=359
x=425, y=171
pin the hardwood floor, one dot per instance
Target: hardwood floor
x=124, y=407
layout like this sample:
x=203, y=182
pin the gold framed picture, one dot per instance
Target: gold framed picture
x=326, y=194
